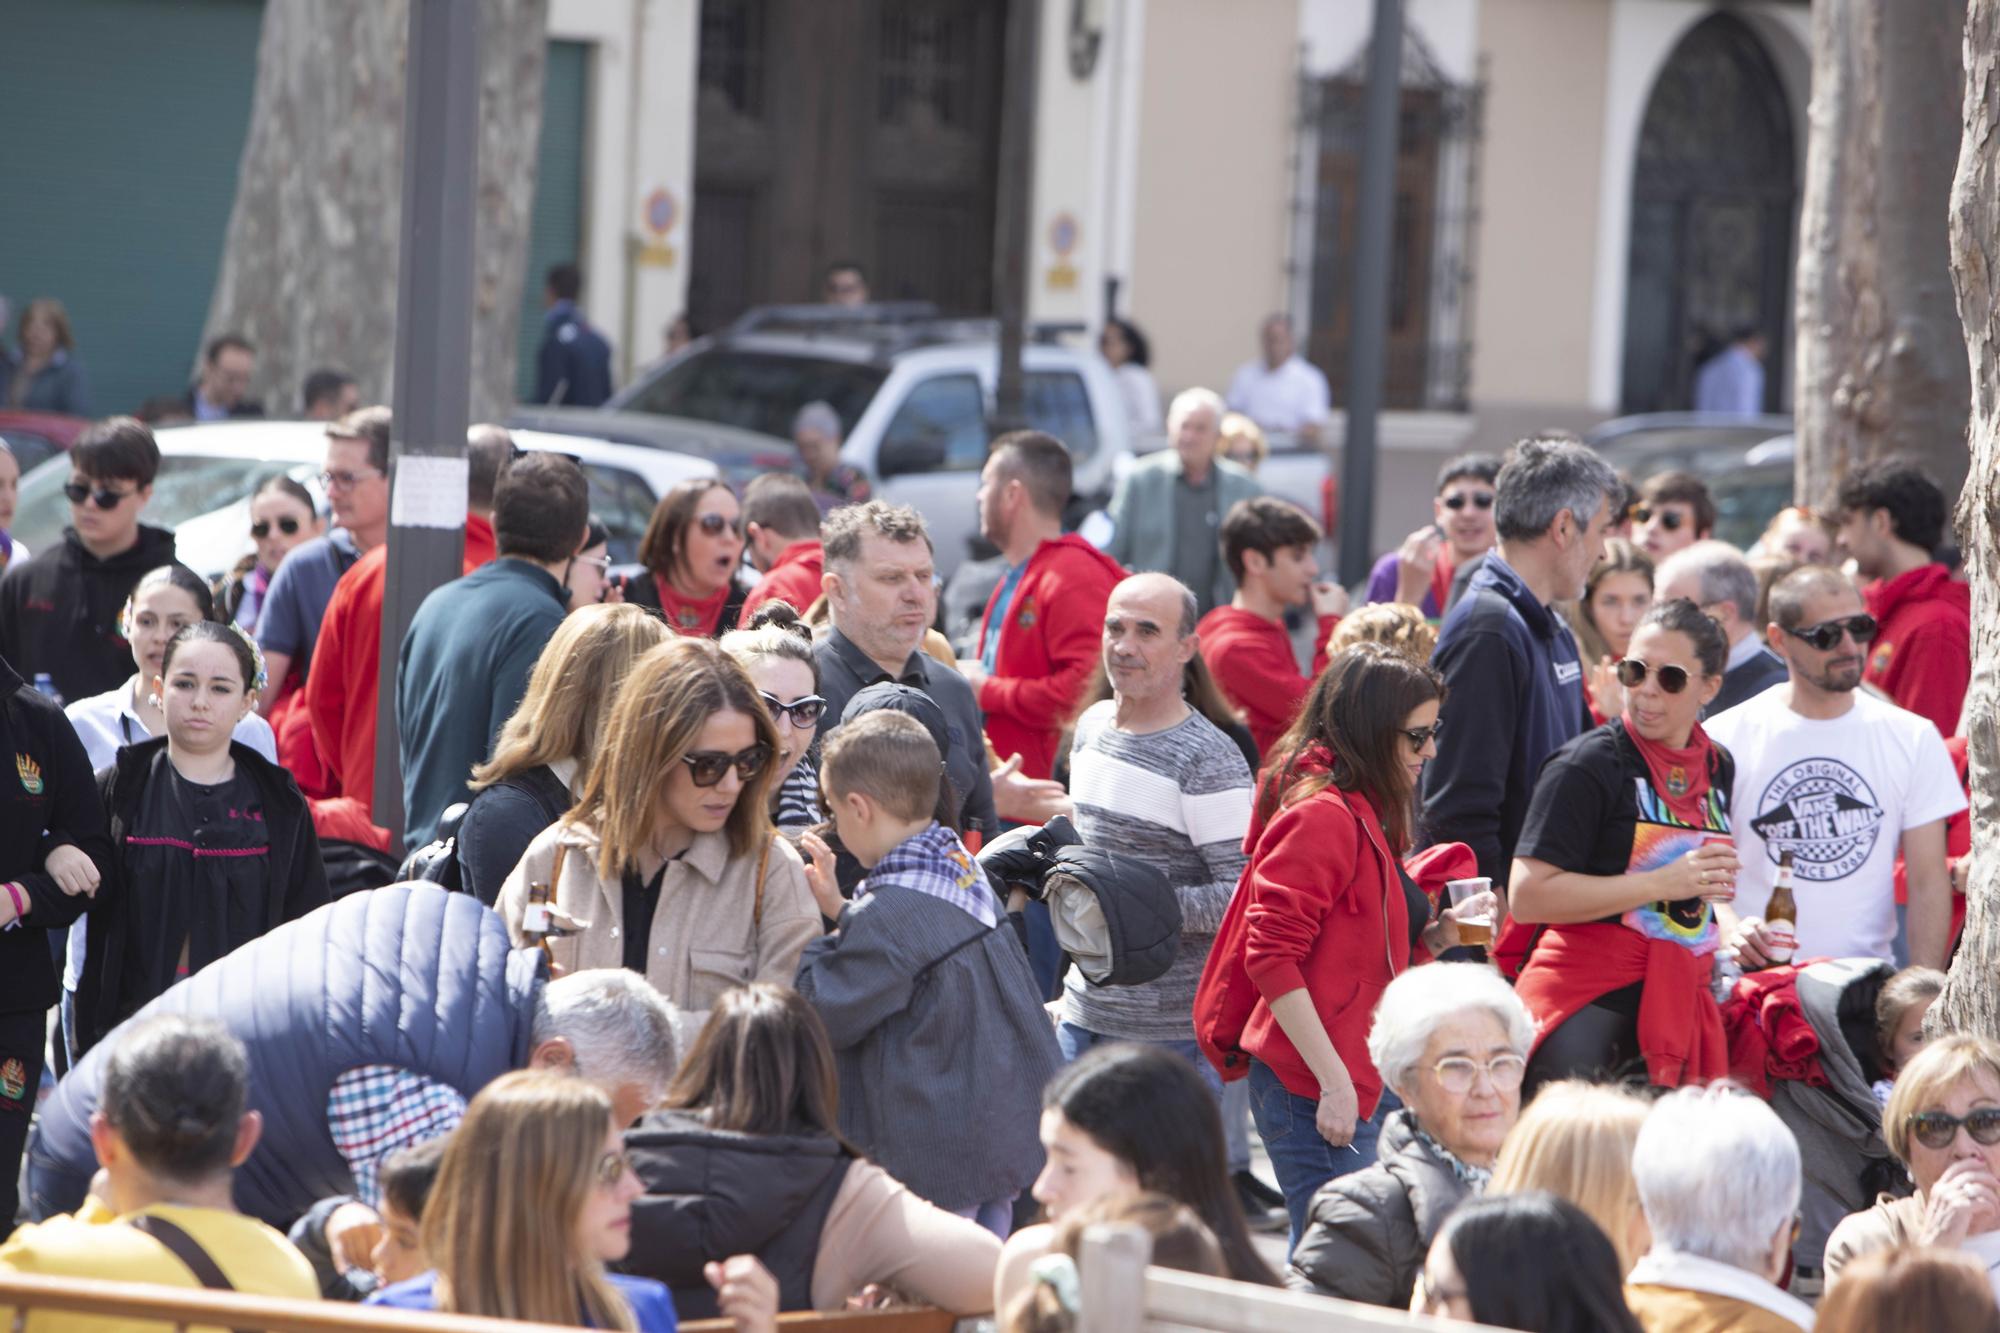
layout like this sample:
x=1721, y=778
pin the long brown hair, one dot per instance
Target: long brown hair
x=500, y=1220
x=1355, y=717
x=666, y=700
x=1620, y=557
x=1198, y=687
x=570, y=690
x=663, y=549
x=763, y=1064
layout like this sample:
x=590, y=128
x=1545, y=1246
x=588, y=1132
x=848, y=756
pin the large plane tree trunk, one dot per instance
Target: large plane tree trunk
x=1971, y=1001
x=1881, y=368
x=309, y=270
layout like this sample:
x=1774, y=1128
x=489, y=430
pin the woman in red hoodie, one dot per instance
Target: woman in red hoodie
x=1325, y=918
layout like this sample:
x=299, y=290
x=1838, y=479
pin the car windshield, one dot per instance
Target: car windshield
x=188, y=486
x=755, y=391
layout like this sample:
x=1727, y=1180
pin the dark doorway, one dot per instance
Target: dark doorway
x=865, y=130
x=1714, y=196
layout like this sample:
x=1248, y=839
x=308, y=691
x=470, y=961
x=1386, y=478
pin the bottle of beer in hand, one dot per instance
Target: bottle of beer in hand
x=535, y=922
x=1781, y=918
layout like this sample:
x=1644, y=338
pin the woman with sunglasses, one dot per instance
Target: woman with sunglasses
x=776, y=650
x=544, y=748
x=692, y=551
x=281, y=517
x=1943, y=1123
x=533, y=1200
x=1325, y=918
x=1625, y=853
x=667, y=862
x=589, y=578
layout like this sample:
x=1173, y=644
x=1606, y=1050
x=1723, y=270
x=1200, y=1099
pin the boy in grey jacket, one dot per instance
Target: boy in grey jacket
x=940, y=1041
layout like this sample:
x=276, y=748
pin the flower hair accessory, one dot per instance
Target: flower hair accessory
x=260, y=677
x=1058, y=1273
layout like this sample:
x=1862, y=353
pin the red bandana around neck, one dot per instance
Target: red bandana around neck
x=1680, y=777
x=694, y=617
x=1442, y=573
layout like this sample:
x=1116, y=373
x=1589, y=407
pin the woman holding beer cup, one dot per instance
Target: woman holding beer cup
x=1326, y=918
x=1625, y=852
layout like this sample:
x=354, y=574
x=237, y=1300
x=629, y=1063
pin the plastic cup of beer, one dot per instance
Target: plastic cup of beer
x=1475, y=929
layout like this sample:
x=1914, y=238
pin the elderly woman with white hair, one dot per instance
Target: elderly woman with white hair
x=1452, y=1040
x=1719, y=1179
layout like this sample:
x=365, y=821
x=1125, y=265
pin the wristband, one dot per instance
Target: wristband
x=20, y=908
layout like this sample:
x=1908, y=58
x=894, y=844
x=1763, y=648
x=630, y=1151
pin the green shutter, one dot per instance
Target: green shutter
x=127, y=120
x=555, y=235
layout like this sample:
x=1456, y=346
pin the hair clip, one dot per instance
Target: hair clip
x=1058, y=1273
x=261, y=677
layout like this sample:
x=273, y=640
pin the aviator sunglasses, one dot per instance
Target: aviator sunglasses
x=103, y=496
x=1936, y=1129
x=262, y=527
x=1632, y=671
x=1826, y=634
x=708, y=766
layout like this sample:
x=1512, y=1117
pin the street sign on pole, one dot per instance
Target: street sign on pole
x=1369, y=319
x=433, y=346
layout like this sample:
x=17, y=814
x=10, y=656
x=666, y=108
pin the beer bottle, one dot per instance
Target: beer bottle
x=535, y=922
x=1781, y=918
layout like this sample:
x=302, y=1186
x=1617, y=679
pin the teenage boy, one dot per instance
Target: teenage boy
x=61, y=612
x=1674, y=512
x=938, y=1031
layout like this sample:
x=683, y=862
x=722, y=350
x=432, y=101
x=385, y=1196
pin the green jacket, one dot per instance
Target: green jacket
x=1143, y=510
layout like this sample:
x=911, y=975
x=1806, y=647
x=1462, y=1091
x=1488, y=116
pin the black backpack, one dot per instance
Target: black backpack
x=436, y=862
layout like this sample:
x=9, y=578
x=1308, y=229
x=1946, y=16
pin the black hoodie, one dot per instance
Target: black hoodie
x=46, y=788
x=59, y=612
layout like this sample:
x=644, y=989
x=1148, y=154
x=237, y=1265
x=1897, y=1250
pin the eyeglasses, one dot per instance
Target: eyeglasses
x=262, y=527
x=611, y=1168
x=710, y=765
x=346, y=481
x=1935, y=1129
x=1670, y=519
x=1826, y=634
x=1419, y=737
x=803, y=712
x=603, y=562
x=1632, y=673
x=1478, y=499
x=103, y=496
x=1456, y=1074
x=713, y=524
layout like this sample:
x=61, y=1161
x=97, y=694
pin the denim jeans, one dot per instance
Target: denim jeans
x=1075, y=1041
x=1301, y=1159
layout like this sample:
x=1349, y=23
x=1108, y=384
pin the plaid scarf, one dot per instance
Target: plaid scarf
x=936, y=862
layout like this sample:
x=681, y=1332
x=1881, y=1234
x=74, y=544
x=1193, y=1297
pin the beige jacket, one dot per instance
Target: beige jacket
x=704, y=939
x=1891, y=1222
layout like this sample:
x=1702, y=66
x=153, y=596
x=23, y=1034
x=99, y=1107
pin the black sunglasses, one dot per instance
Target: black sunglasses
x=804, y=712
x=1631, y=672
x=710, y=765
x=1419, y=737
x=713, y=524
x=1670, y=519
x=1479, y=499
x=262, y=527
x=1827, y=633
x=105, y=497
x=1935, y=1129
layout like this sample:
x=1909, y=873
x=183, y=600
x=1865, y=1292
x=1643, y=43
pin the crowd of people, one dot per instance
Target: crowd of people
x=1563, y=919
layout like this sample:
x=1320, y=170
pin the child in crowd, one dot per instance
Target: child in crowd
x=940, y=1039
x=1053, y=1304
x=1899, y=1021
x=354, y=1248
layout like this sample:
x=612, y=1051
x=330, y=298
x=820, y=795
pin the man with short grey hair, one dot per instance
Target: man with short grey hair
x=1167, y=512
x=1509, y=663
x=1718, y=1177
x=1715, y=577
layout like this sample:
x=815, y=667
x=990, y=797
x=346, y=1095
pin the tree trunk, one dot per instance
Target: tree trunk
x=1881, y=368
x=309, y=269
x=1971, y=1001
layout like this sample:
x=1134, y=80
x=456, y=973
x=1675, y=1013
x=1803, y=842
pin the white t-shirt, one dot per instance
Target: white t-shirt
x=1293, y=395
x=1839, y=794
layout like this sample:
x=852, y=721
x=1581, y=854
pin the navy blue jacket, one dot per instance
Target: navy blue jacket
x=573, y=365
x=1514, y=696
x=409, y=975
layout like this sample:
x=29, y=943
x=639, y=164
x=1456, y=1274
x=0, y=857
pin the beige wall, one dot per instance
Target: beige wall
x=1540, y=171
x=1215, y=117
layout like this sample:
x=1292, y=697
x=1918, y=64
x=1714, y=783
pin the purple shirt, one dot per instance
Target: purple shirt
x=1382, y=587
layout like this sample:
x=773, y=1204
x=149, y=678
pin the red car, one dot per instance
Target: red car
x=34, y=436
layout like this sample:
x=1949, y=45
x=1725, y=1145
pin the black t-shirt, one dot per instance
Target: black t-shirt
x=1594, y=812
x=1418, y=902
x=642, y=898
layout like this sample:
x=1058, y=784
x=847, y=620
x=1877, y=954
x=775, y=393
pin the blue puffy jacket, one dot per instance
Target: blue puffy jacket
x=409, y=975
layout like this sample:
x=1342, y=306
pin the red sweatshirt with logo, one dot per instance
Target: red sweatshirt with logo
x=1922, y=654
x=1050, y=641
x=1251, y=658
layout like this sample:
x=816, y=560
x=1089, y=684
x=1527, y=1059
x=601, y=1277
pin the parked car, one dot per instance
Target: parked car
x=34, y=436
x=914, y=392
x=1746, y=461
x=209, y=472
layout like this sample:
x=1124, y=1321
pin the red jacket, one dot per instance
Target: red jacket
x=345, y=684
x=1957, y=842
x=1251, y=658
x=1049, y=646
x=1680, y=1028
x=1922, y=654
x=1319, y=906
x=793, y=579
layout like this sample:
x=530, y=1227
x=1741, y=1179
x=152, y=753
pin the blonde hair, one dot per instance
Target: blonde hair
x=1396, y=624
x=667, y=697
x=1922, y=1084
x=569, y=692
x=1575, y=1141
x=1620, y=557
x=500, y=1221
x=1237, y=428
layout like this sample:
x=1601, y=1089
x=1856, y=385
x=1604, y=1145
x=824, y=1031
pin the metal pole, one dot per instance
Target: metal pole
x=433, y=346
x=1368, y=320
x=1012, y=212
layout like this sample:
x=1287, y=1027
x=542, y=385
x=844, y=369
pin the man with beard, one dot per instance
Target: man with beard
x=1841, y=779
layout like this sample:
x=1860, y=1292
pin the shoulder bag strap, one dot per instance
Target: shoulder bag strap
x=185, y=1248
x=757, y=904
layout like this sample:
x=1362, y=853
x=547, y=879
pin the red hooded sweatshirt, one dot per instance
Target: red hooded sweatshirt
x=1251, y=658
x=1922, y=654
x=1049, y=645
x=794, y=579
